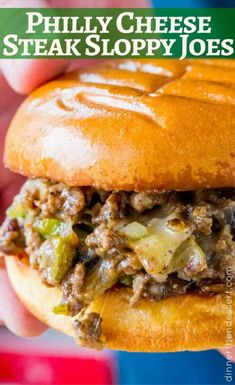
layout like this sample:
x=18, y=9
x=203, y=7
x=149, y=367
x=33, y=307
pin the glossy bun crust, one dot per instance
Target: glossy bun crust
x=131, y=125
x=178, y=323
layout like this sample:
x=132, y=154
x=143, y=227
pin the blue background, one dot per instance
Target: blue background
x=172, y=368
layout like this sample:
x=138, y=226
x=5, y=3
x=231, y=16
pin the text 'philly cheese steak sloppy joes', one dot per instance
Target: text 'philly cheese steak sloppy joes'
x=124, y=233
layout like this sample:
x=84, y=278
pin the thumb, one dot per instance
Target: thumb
x=13, y=314
x=24, y=75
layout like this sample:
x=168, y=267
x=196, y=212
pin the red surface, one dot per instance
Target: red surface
x=36, y=369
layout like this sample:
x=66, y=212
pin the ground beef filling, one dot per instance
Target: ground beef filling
x=87, y=240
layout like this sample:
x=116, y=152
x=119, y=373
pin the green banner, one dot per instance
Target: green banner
x=117, y=33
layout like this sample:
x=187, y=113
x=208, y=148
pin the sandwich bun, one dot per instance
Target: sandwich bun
x=143, y=125
x=131, y=125
x=189, y=322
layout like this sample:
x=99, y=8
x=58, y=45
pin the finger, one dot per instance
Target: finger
x=9, y=182
x=13, y=314
x=228, y=353
x=76, y=3
x=100, y=4
x=23, y=4
x=24, y=75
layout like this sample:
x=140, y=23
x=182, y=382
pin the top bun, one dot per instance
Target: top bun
x=131, y=125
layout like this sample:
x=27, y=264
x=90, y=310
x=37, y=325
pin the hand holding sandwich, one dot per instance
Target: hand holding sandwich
x=12, y=313
x=157, y=233
x=24, y=76
x=112, y=240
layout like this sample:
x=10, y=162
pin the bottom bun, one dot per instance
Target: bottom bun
x=189, y=322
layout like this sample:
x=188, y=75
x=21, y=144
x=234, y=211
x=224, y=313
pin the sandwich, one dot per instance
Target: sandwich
x=123, y=235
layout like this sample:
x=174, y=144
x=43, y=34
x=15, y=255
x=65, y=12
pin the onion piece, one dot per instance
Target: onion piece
x=158, y=242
